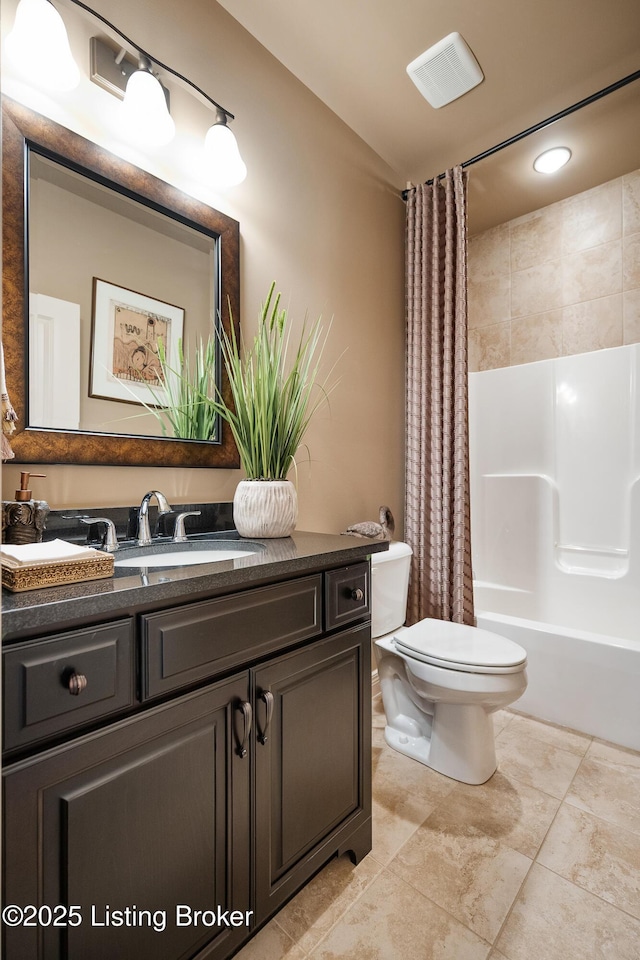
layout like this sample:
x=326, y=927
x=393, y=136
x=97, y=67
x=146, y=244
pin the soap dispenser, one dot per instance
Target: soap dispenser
x=23, y=519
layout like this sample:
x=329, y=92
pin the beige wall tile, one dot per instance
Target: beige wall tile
x=536, y=238
x=489, y=347
x=536, y=338
x=631, y=203
x=631, y=316
x=536, y=289
x=599, y=856
x=489, y=253
x=468, y=873
x=556, y=920
x=489, y=301
x=592, y=218
x=593, y=325
x=393, y=920
x=592, y=273
x=631, y=262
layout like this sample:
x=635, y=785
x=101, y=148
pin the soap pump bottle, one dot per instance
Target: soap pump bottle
x=23, y=519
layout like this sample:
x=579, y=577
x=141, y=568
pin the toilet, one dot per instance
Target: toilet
x=440, y=681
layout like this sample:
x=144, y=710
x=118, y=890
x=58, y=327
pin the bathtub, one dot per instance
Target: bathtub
x=555, y=530
x=587, y=681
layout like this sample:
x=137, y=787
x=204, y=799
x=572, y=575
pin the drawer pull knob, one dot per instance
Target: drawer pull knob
x=76, y=683
x=357, y=594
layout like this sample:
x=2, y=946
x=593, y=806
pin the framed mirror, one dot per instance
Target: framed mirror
x=105, y=268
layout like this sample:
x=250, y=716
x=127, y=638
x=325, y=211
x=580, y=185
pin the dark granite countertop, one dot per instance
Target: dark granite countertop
x=39, y=612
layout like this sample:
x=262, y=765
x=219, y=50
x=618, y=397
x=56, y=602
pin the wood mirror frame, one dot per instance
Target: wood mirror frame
x=21, y=129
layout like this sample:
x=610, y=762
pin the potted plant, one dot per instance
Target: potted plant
x=275, y=391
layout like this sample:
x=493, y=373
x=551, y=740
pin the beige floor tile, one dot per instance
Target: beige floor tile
x=496, y=955
x=608, y=785
x=395, y=776
x=597, y=855
x=549, y=733
x=471, y=875
x=271, y=943
x=553, y=919
x=392, y=828
x=505, y=809
x=500, y=720
x=314, y=911
x=377, y=712
x=536, y=763
x=392, y=921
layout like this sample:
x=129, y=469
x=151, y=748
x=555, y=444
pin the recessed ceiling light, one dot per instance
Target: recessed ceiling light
x=552, y=160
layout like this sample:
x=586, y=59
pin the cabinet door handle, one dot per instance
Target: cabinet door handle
x=76, y=683
x=357, y=594
x=245, y=709
x=267, y=698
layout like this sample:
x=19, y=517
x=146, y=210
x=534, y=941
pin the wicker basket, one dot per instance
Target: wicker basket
x=38, y=576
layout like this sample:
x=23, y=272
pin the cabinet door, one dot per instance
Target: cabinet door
x=149, y=814
x=313, y=770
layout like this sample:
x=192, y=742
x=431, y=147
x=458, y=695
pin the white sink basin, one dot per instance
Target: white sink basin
x=173, y=557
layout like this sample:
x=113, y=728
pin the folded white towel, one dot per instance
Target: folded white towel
x=39, y=554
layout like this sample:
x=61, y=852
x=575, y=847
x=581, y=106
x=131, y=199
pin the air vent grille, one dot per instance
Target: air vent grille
x=445, y=71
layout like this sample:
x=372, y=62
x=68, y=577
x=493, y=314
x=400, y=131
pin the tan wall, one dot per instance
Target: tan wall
x=558, y=281
x=321, y=214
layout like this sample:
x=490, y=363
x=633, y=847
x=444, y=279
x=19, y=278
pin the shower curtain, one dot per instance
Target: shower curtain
x=437, y=514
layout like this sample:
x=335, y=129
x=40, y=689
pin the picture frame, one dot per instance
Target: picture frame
x=126, y=327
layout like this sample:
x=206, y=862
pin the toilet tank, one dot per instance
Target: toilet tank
x=389, y=588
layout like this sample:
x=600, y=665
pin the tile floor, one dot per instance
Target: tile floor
x=540, y=863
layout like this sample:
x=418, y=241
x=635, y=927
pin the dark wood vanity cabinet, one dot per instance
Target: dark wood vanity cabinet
x=225, y=799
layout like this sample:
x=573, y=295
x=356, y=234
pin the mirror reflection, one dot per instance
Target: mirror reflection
x=115, y=286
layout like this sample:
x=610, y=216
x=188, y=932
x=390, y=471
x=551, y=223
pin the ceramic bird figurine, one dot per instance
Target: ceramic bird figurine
x=372, y=530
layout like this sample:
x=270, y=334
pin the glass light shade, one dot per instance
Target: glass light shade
x=552, y=160
x=226, y=168
x=145, y=117
x=38, y=47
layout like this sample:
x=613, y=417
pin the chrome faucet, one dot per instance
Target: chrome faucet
x=144, y=533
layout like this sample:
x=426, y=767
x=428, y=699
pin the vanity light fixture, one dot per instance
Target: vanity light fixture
x=145, y=115
x=552, y=160
x=38, y=47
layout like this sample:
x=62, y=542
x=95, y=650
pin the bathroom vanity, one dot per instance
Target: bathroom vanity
x=184, y=749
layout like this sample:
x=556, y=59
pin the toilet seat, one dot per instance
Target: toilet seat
x=456, y=646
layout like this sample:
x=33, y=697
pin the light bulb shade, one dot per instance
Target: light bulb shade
x=144, y=113
x=226, y=168
x=552, y=160
x=38, y=47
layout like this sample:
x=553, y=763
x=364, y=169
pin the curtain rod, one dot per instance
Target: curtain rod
x=539, y=126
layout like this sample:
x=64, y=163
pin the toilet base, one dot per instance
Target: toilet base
x=460, y=743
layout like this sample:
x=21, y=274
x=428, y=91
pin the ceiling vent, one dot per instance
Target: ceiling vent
x=445, y=71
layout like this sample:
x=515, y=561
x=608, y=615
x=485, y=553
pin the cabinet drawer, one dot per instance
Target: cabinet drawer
x=346, y=596
x=193, y=643
x=40, y=678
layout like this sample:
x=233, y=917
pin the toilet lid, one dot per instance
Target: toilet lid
x=457, y=646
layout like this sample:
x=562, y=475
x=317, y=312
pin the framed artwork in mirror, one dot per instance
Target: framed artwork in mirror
x=128, y=330
x=126, y=206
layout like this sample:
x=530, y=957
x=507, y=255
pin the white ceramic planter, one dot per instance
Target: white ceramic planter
x=265, y=508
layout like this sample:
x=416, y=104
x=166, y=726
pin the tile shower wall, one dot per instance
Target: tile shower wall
x=559, y=281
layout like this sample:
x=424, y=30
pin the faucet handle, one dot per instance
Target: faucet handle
x=110, y=539
x=179, y=536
